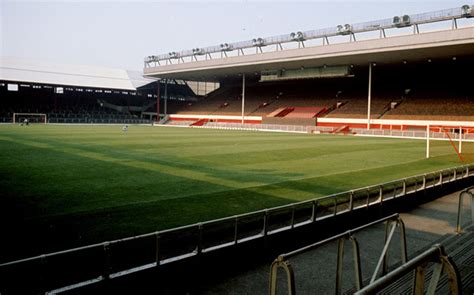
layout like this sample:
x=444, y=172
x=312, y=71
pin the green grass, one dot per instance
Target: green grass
x=65, y=186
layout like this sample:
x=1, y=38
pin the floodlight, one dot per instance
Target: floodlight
x=406, y=19
x=198, y=51
x=298, y=36
x=258, y=42
x=344, y=29
x=226, y=47
x=396, y=21
x=467, y=11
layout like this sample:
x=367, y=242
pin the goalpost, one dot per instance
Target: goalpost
x=446, y=137
x=32, y=118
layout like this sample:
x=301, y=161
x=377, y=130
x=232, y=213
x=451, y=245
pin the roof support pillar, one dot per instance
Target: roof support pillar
x=166, y=98
x=369, y=95
x=243, y=97
x=158, y=101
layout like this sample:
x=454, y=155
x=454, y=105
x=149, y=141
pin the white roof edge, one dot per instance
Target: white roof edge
x=16, y=69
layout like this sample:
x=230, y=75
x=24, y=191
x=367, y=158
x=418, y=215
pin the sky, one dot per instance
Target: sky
x=119, y=34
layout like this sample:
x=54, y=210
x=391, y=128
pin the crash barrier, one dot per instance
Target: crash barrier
x=442, y=262
x=468, y=192
x=117, y=258
x=392, y=222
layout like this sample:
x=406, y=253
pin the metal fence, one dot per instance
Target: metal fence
x=409, y=134
x=443, y=263
x=392, y=222
x=468, y=192
x=415, y=134
x=112, y=259
x=268, y=127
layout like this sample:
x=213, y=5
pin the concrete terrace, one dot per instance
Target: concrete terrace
x=433, y=222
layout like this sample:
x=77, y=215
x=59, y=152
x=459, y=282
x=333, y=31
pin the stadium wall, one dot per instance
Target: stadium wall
x=220, y=119
x=468, y=126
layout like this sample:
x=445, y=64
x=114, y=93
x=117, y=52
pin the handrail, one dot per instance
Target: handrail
x=470, y=192
x=435, y=254
x=282, y=261
x=314, y=210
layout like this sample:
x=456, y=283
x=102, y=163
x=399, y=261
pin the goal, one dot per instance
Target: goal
x=455, y=143
x=32, y=118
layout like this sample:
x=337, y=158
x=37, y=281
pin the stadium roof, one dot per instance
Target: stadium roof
x=410, y=44
x=391, y=50
x=14, y=69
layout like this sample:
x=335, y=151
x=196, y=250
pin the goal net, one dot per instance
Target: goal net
x=19, y=118
x=456, y=144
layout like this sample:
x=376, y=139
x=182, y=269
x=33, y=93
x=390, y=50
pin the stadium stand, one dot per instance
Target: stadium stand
x=80, y=94
x=400, y=91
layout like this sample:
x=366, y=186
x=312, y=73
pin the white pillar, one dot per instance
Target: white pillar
x=427, y=141
x=243, y=97
x=460, y=140
x=166, y=98
x=369, y=96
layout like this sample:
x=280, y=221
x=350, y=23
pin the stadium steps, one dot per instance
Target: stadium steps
x=343, y=129
x=200, y=122
x=460, y=249
x=284, y=112
x=275, y=112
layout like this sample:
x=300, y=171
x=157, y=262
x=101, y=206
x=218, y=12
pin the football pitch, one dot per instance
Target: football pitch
x=66, y=186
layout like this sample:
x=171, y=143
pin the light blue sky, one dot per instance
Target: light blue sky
x=121, y=33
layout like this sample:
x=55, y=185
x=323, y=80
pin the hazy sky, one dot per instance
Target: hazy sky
x=121, y=33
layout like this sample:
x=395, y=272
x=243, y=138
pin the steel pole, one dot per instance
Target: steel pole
x=166, y=98
x=369, y=96
x=243, y=97
x=427, y=141
x=158, y=102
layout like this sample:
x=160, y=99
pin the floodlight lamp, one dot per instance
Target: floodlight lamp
x=396, y=20
x=406, y=19
x=467, y=11
x=258, y=42
x=226, y=47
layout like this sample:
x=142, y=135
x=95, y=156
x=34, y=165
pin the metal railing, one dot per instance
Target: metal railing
x=419, y=264
x=413, y=134
x=267, y=127
x=467, y=192
x=300, y=37
x=117, y=258
x=392, y=222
